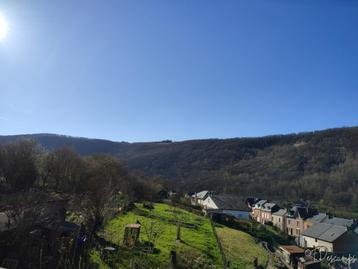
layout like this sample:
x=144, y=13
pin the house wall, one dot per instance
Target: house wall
x=197, y=201
x=309, y=242
x=208, y=203
x=347, y=243
x=285, y=256
x=279, y=222
x=294, y=227
x=261, y=216
x=307, y=224
x=200, y=202
x=255, y=214
x=265, y=217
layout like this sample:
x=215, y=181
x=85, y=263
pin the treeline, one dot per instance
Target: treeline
x=317, y=166
x=321, y=167
x=95, y=182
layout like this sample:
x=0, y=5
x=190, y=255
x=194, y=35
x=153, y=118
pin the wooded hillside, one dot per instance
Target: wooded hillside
x=319, y=166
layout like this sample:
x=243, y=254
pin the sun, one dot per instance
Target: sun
x=3, y=28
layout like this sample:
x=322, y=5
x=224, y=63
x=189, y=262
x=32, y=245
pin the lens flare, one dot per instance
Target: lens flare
x=3, y=28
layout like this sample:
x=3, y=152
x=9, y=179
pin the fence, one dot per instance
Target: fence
x=223, y=256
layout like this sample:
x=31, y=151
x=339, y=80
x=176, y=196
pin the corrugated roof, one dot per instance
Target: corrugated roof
x=325, y=232
x=293, y=249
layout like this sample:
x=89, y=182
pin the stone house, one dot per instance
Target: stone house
x=266, y=212
x=279, y=219
x=295, y=219
x=331, y=238
x=262, y=211
x=256, y=210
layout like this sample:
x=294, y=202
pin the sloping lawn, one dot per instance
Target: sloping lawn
x=241, y=249
x=198, y=237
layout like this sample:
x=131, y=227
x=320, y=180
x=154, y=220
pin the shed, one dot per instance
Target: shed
x=131, y=234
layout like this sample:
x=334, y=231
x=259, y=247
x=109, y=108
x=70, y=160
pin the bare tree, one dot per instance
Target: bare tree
x=18, y=165
x=153, y=231
x=104, y=175
x=63, y=169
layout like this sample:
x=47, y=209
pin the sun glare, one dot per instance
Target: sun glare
x=3, y=28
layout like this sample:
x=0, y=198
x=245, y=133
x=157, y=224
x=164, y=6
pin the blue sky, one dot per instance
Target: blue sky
x=151, y=70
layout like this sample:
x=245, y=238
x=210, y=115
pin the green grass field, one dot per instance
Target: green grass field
x=240, y=248
x=197, y=240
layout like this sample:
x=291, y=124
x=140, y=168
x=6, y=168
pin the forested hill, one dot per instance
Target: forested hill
x=320, y=166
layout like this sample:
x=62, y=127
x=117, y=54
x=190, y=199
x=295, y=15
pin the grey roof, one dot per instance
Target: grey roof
x=229, y=202
x=339, y=222
x=260, y=203
x=268, y=206
x=252, y=201
x=324, y=218
x=325, y=232
x=301, y=212
x=281, y=212
x=200, y=195
x=318, y=218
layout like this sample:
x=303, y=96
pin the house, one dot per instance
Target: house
x=325, y=218
x=226, y=205
x=295, y=219
x=333, y=238
x=251, y=201
x=262, y=211
x=290, y=254
x=279, y=219
x=198, y=198
x=266, y=212
x=313, y=220
x=256, y=210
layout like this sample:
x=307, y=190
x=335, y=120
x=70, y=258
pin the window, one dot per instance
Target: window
x=298, y=223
